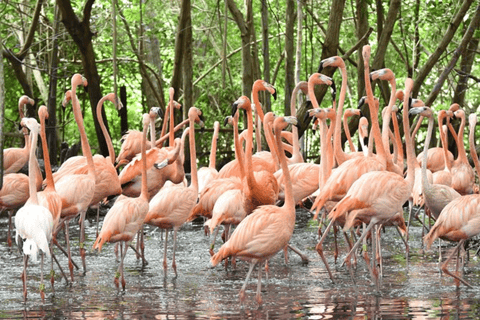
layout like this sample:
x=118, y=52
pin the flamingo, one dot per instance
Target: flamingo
x=460, y=219
x=472, y=122
x=126, y=216
x=77, y=190
x=171, y=207
x=267, y=230
x=377, y=197
x=33, y=222
x=205, y=174
x=436, y=196
x=463, y=177
x=15, y=158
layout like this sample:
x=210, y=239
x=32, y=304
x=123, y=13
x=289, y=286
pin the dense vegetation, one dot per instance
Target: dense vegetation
x=154, y=39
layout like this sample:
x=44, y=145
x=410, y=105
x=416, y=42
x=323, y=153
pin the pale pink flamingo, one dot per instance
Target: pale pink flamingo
x=33, y=222
x=15, y=158
x=171, y=207
x=77, y=190
x=267, y=230
x=205, y=174
x=444, y=176
x=125, y=218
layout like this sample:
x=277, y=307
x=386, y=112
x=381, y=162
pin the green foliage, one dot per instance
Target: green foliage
x=212, y=95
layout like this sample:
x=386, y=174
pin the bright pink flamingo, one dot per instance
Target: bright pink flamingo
x=171, y=207
x=206, y=174
x=125, y=218
x=267, y=230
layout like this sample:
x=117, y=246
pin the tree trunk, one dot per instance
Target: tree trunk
x=329, y=48
x=472, y=27
x=122, y=113
x=82, y=36
x=187, y=71
x=51, y=130
x=442, y=46
x=266, y=51
x=247, y=65
x=289, y=54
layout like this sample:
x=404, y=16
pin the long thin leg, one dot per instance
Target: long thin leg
x=24, y=276
x=142, y=247
x=165, y=254
x=82, y=240
x=70, y=264
x=365, y=252
x=357, y=244
x=9, y=232
x=98, y=218
x=374, y=257
x=212, y=245
x=319, y=248
x=174, y=264
x=335, y=254
x=124, y=253
x=42, y=285
x=117, y=274
x=297, y=251
x=242, y=291
x=55, y=242
x=258, y=296
x=445, y=265
x=407, y=247
x=59, y=266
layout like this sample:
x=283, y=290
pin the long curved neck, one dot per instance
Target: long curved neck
x=256, y=101
x=289, y=200
x=347, y=133
x=238, y=147
x=425, y=182
x=32, y=168
x=388, y=115
x=144, y=190
x=165, y=121
x=258, y=132
x=398, y=142
x=374, y=114
x=462, y=154
x=296, y=155
x=152, y=132
x=160, y=140
x=473, y=150
x=271, y=143
x=111, y=152
x=337, y=136
x=193, y=157
x=213, y=151
x=171, y=128
x=443, y=139
x=324, y=161
x=87, y=153
x=408, y=139
x=248, y=150
x=46, y=155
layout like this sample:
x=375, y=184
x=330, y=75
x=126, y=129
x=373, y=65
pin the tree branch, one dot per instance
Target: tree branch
x=31, y=32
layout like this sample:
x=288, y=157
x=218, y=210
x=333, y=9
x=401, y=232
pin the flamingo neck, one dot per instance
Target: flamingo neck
x=337, y=136
x=238, y=147
x=411, y=159
x=398, y=142
x=33, y=168
x=296, y=154
x=172, y=126
x=46, y=156
x=256, y=100
x=248, y=149
x=462, y=154
x=164, y=124
x=213, y=152
x=111, y=152
x=289, y=200
x=473, y=150
x=271, y=144
x=347, y=133
x=193, y=157
x=87, y=152
x=144, y=190
x=443, y=139
x=425, y=182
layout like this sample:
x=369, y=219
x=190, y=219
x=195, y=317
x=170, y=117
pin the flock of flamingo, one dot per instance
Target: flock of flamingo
x=257, y=192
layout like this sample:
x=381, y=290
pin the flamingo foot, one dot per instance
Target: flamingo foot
x=115, y=280
x=241, y=296
x=258, y=297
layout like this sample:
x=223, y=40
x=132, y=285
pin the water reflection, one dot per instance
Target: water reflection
x=293, y=290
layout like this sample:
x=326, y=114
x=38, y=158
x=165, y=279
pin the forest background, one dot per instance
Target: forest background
x=211, y=52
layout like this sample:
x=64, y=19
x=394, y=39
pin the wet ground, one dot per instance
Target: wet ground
x=293, y=290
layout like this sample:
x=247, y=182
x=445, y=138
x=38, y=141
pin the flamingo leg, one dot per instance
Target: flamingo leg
x=165, y=254
x=258, y=296
x=42, y=285
x=82, y=240
x=64, y=251
x=142, y=247
x=242, y=291
x=69, y=254
x=124, y=253
x=54, y=257
x=445, y=265
x=24, y=277
x=174, y=264
x=98, y=218
x=297, y=251
x=9, y=232
x=349, y=243
x=212, y=245
x=319, y=248
x=365, y=252
x=285, y=254
x=335, y=254
x=357, y=244
x=117, y=274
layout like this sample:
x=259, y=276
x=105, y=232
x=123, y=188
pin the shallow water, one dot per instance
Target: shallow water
x=293, y=290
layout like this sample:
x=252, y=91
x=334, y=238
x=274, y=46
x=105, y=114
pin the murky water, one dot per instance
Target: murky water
x=293, y=290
